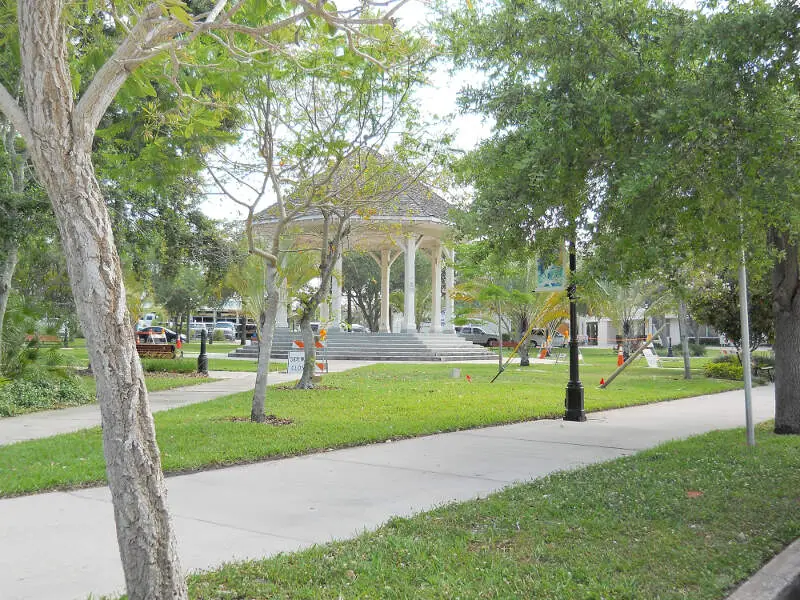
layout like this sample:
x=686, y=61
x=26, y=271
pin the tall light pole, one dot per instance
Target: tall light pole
x=574, y=400
x=744, y=323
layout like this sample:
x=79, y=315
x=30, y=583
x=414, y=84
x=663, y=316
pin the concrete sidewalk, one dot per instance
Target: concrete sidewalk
x=63, y=545
x=52, y=422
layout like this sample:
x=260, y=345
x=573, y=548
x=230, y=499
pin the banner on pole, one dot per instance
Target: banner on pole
x=552, y=276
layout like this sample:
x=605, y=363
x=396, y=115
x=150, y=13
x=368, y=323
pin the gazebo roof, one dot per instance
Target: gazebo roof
x=415, y=201
x=393, y=203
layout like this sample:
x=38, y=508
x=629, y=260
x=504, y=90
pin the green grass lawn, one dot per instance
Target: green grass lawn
x=189, y=365
x=77, y=356
x=688, y=519
x=155, y=382
x=357, y=407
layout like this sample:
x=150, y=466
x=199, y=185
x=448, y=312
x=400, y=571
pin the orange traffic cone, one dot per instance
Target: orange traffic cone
x=543, y=353
x=620, y=357
x=178, y=343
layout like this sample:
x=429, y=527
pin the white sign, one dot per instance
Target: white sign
x=297, y=360
x=651, y=358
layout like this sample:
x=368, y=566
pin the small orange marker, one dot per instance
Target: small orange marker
x=469, y=379
x=602, y=381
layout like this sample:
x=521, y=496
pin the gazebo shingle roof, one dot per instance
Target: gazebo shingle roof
x=416, y=199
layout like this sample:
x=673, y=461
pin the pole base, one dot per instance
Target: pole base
x=574, y=403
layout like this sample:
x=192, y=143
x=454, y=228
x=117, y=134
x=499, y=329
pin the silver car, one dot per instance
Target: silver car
x=227, y=328
x=479, y=335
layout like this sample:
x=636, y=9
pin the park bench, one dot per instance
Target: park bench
x=156, y=350
x=44, y=339
x=767, y=370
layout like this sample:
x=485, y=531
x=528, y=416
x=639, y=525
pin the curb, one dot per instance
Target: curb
x=779, y=579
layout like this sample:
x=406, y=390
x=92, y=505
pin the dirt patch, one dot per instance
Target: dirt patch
x=190, y=374
x=270, y=420
x=314, y=389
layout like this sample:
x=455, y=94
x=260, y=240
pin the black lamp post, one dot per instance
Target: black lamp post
x=574, y=400
x=202, y=360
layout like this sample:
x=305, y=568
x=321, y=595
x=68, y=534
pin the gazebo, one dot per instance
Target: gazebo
x=416, y=219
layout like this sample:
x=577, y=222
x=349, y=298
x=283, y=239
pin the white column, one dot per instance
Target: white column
x=324, y=312
x=336, y=294
x=409, y=322
x=449, y=283
x=282, y=319
x=436, y=289
x=385, y=266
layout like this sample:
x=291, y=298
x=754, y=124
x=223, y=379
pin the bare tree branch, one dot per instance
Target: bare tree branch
x=13, y=111
x=144, y=39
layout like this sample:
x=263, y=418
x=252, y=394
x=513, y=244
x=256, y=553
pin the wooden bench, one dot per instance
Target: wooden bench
x=44, y=339
x=156, y=350
x=767, y=370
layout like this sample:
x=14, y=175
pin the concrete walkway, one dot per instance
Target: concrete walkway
x=52, y=422
x=63, y=545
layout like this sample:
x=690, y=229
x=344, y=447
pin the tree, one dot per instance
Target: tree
x=492, y=280
x=22, y=202
x=311, y=119
x=361, y=282
x=58, y=129
x=717, y=304
x=660, y=120
x=362, y=184
x=623, y=304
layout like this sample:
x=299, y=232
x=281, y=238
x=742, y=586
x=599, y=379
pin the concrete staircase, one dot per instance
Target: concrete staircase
x=442, y=347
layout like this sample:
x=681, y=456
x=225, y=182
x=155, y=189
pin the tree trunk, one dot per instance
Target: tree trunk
x=500, y=344
x=683, y=326
x=7, y=267
x=61, y=152
x=309, y=349
x=524, y=358
x=786, y=304
x=329, y=254
x=266, y=335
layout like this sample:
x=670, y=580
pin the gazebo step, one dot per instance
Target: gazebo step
x=380, y=347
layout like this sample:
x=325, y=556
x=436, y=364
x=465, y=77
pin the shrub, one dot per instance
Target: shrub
x=727, y=358
x=729, y=369
x=41, y=390
x=762, y=360
x=697, y=349
x=54, y=357
x=219, y=335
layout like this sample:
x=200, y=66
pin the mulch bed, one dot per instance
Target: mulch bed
x=270, y=420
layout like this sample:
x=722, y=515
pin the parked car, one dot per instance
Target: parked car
x=227, y=328
x=196, y=330
x=477, y=334
x=157, y=334
x=539, y=338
